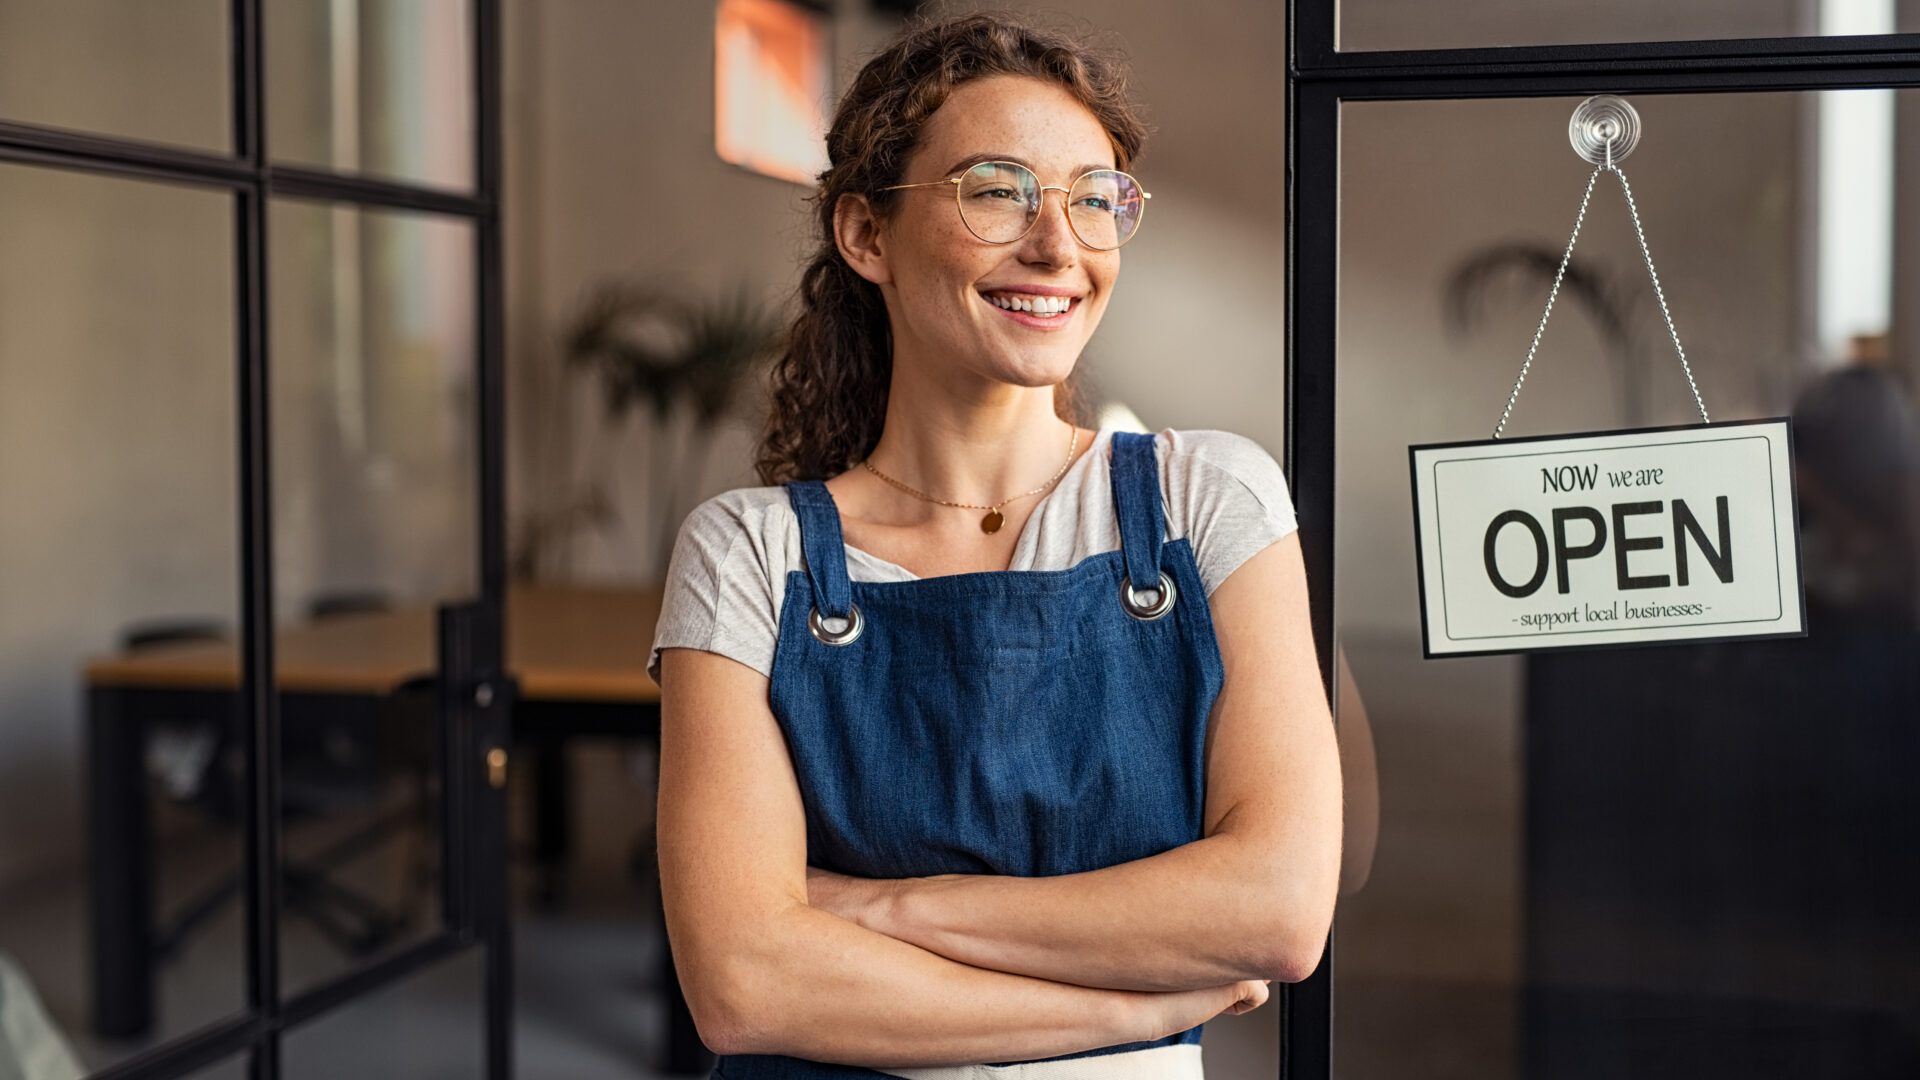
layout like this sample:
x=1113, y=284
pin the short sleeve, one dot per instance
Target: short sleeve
x=719, y=595
x=1228, y=496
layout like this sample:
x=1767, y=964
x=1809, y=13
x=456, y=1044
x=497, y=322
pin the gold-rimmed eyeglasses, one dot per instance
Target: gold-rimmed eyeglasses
x=1000, y=201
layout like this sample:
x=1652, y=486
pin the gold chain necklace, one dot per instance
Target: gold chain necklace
x=994, y=519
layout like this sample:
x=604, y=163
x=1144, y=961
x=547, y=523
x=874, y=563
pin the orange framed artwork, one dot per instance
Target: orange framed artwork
x=771, y=87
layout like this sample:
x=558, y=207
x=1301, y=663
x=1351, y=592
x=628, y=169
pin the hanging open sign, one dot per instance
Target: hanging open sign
x=1618, y=538
x=1608, y=538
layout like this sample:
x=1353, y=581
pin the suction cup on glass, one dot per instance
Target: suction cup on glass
x=1600, y=120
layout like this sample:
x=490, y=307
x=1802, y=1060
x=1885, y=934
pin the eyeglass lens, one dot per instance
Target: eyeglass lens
x=1000, y=201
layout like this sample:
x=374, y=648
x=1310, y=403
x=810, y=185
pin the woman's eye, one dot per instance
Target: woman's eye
x=1097, y=202
x=997, y=193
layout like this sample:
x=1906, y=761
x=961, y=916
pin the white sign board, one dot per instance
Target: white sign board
x=1616, y=538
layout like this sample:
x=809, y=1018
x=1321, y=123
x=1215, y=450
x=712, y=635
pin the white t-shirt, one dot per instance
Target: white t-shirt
x=728, y=575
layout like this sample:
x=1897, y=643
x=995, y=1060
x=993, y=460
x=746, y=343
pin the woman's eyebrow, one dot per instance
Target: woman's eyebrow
x=976, y=159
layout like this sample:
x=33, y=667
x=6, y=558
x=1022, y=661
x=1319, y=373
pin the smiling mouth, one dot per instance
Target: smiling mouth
x=1039, y=307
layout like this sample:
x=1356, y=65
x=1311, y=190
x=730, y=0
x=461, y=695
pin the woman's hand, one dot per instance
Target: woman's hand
x=1173, y=1012
x=1252, y=993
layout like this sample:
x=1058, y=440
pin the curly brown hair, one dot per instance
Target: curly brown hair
x=829, y=382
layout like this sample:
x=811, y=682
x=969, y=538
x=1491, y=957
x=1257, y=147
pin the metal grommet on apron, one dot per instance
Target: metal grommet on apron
x=1028, y=723
x=1148, y=610
x=855, y=621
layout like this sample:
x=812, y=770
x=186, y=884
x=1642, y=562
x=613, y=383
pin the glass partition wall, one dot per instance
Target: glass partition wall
x=1666, y=861
x=250, y=652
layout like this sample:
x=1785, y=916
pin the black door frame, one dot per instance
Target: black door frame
x=1320, y=78
x=475, y=694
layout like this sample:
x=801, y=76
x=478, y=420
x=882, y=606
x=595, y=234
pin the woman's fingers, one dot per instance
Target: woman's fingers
x=1249, y=994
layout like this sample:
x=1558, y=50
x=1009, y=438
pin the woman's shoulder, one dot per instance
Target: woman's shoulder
x=1207, y=460
x=743, y=506
x=1225, y=493
x=745, y=527
x=1223, y=451
x=742, y=512
x=721, y=592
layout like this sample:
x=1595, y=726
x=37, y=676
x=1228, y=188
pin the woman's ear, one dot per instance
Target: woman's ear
x=856, y=231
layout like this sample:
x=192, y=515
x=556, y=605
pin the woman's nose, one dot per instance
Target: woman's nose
x=1051, y=239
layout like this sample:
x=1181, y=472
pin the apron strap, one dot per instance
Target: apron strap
x=821, y=543
x=1136, y=502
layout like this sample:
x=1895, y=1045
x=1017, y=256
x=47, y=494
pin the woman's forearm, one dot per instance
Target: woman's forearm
x=1201, y=914
x=813, y=985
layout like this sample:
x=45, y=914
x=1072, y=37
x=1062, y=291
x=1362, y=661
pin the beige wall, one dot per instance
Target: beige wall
x=116, y=404
x=116, y=460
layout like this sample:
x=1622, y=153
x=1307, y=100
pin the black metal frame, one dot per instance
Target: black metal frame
x=1320, y=78
x=475, y=694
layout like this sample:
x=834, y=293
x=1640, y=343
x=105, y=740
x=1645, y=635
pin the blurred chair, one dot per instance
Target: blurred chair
x=31, y=1047
x=339, y=755
x=179, y=750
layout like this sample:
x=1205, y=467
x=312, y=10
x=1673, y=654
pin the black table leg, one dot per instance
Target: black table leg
x=552, y=817
x=120, y=859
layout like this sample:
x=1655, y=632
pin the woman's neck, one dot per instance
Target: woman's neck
x=980, y=449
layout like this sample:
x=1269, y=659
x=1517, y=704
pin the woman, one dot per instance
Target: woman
x=951, y=774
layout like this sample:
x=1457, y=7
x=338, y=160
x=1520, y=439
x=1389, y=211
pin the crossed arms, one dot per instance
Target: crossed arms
x=955, y=969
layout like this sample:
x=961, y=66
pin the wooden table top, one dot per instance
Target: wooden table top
x=564, y=643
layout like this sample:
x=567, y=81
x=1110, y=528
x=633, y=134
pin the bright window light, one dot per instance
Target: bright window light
x=1855, y=268
x=770, y=88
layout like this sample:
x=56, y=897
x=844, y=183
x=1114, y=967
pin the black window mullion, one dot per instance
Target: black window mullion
x=1313, y=148
x=1312, y=30
x=482, y=805
x=1314, y=56
x=188, y=1053
x=33, y=144
x=318, y=184
x=491, y=300
x=260, y=721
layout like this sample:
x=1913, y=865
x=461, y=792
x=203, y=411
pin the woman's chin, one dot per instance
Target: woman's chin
x=1033, y=371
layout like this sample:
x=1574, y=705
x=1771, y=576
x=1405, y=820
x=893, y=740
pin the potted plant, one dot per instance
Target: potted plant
x=684, y=362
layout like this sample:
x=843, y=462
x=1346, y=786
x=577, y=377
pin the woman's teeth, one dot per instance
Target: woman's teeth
x=1042, y=306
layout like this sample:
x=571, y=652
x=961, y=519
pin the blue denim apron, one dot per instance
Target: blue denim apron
x=1017, y=722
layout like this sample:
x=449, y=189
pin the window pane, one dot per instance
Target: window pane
x=378, y=87
x=1681, y=860
x=118, y=554
x=159, y=72
x=375, y=515
x=1409, y=24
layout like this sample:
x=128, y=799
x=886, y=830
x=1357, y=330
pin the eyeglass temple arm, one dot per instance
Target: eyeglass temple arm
x=930, y=183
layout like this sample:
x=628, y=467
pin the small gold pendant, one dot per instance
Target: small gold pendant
x=992, y=522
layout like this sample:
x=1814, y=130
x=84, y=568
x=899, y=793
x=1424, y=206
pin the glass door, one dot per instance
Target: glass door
x=251, y=648
x=1675, y=860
